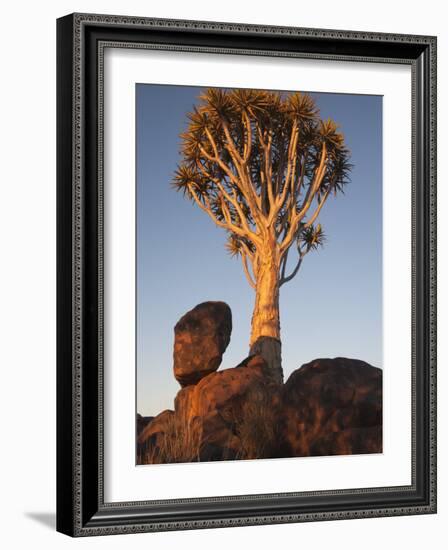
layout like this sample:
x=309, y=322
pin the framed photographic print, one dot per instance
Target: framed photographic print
x=246, y=274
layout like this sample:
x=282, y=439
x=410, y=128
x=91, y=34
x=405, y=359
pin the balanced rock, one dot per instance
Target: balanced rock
x=200, y=338
x=332, y=407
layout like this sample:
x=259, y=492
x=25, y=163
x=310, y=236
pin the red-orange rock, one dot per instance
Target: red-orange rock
x=220, y=402
x=330, y=407
x=200, y=338
x=218, y=391
x=327, y=407
x=150, y=438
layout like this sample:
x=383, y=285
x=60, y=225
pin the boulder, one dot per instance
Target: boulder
x=327, y=407
x=226, y=405
x=200, y=338
x=331, y=407
x=221, y=391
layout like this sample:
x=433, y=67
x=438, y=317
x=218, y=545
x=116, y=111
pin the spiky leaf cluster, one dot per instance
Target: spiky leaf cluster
x=311, y=238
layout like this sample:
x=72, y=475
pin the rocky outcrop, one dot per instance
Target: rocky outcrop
x=227, y=415
x=219, y=391
x=224, y=403
x=332, y=406
x=326, y=407
x=200, y=338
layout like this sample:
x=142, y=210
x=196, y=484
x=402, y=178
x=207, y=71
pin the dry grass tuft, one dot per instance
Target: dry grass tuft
x=256, y=424
x=179, y=443
x=252, y=422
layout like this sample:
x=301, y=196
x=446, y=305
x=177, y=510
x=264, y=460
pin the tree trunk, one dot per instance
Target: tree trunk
x=265, y=336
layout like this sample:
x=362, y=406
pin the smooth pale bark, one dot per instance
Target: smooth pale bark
x=265, y=335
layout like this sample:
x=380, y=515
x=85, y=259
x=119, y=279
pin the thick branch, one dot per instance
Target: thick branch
x=265, y=168
x=239, y=182
x=228, y=225
x=221, y=164
x=249, y=254
x=290, y=172
x=247, y=272
x=301, y=176
x=312, y=190
x=284, y=279
x=284, y=261
x=317, y=180
x=243, y=182
x=240, y=164
x=231, y=144
x=294, y=195
x=232, y=200
x=318, y=208
x=226, y=211
x=248, y=147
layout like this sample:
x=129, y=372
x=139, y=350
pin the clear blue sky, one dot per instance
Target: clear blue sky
x=334, y=305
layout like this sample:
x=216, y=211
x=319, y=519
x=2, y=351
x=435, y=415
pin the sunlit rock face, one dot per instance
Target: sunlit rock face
x=228, y=415
x=227, y=405
x=200, y=338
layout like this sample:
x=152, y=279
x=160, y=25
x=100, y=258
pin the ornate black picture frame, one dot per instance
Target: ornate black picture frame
x=81, y=508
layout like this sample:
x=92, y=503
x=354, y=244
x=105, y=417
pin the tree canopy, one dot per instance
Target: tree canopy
x=262, y=164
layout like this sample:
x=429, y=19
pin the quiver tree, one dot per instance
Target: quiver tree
x=262, y=165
